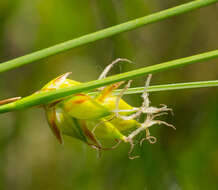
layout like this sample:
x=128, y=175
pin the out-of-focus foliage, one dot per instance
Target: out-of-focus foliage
x=30, y=156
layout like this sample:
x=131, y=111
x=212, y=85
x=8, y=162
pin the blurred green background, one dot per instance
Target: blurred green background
x=30, y=156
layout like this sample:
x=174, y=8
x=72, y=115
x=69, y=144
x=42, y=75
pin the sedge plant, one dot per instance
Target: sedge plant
x=95, y=112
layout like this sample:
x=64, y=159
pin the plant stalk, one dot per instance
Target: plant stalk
x=105, y=33
x=45, y=97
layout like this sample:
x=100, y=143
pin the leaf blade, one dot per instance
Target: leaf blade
x=104, y=33
x=45, y=97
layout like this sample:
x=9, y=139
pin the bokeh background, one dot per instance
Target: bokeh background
x=30, y=156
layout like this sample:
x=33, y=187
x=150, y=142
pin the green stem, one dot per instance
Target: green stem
x=167, y=87
x=45, y=97
x=130, y=25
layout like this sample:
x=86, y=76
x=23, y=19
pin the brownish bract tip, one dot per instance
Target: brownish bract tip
x=55, y=129
x=9, y=100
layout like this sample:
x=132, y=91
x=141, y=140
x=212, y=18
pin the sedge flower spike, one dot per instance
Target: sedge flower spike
x=94, y=119
x=103, y=117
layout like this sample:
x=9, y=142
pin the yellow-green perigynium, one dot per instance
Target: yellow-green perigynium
x=96, y=118
x=78, y=115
